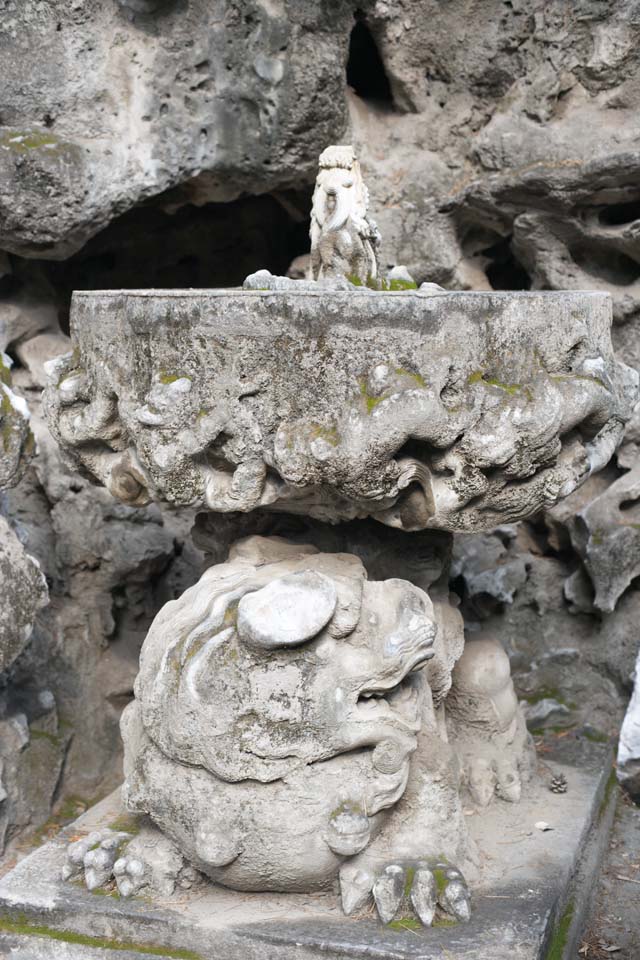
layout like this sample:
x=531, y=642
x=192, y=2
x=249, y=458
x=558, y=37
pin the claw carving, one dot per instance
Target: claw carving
x=421, y=888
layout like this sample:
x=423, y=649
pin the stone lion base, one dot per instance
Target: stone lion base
x=530, y=895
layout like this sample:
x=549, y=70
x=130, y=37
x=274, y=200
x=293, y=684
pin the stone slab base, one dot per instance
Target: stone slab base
x=530, y=894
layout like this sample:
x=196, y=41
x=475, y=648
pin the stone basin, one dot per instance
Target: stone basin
x=454, y=411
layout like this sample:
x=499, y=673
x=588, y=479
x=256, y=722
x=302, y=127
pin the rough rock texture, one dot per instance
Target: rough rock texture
x=500, y=143
x=102, y=110
x=23, y=591
x=629, y=746
x=278, y=704
x=16, y=440
x=108, y=569
x=454, y=412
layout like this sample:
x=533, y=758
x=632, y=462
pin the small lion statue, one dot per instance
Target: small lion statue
x=344, y=239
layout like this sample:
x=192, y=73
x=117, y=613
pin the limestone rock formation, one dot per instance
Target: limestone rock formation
x=476, y=137
x=23, y=591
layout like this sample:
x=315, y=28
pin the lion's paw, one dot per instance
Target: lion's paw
x=406, y=888
x=93, y=857
x=130, y=874
x=498, y=767
x=145, y=863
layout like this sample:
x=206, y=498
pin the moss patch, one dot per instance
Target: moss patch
x=441, y=880
x=547, y=693
x=408, y=883
x=407, y=923
x=347, y=807
x=36, y=734
x=329, y=434
x=481, y=378
x=5, y=373
x=381, y=284
x=595, y=736
x=166, y=378
x=370, y=401
x=608, y=790
x=22, y=141
x=22, y=925
x=70, y=809
x=6, y=417
x=561, y=934
x=126, y=823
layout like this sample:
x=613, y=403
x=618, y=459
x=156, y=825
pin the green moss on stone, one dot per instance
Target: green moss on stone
x=606, y=796
x=347, y=807
x=22, y=926
x=167, y=378
x=481, y=378
x=126, y=823
x=561, y=934
x=22, y=141
x=45, y=735
x=370, y=401
x=106, y=892
x=6, y=420
x=329, y=434
x=543, y=693
x=381, y=284
x=420, y=380
x=405, y=923
x=70, y=809
x=5, y=373
x=596, y=736
x=441, y=880
x=408, y=883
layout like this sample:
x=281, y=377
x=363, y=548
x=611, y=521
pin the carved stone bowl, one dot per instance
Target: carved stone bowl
x=456, y=411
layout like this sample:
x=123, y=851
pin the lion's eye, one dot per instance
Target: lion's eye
x=347, y=183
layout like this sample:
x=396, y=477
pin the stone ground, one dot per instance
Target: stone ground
x=614, y=929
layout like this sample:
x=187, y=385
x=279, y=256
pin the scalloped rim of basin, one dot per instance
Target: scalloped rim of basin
x=326, y=292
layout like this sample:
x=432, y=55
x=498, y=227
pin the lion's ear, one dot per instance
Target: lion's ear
x=288, y=611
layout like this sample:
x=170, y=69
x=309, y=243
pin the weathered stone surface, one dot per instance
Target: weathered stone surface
x=23, y=592
x=109, y=568
x=16, y=440
x=483, y=166
x=517, y=901
x=628, y=766
x=343, y=404
x=269, y=758
x=606, y=535
x=223, y=100
x=484, y=172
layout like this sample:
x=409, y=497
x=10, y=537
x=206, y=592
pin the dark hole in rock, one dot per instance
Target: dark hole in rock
x=505, y=272
x=476, y=238
x=605, y=263
x=629, y=505
x=618, y=213
x=366, y=74
x=213, y=245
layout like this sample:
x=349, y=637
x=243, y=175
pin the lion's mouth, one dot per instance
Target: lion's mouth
x=398, y=701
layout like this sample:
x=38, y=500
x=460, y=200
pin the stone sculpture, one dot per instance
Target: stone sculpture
x=343, y=237
x=308, y=711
